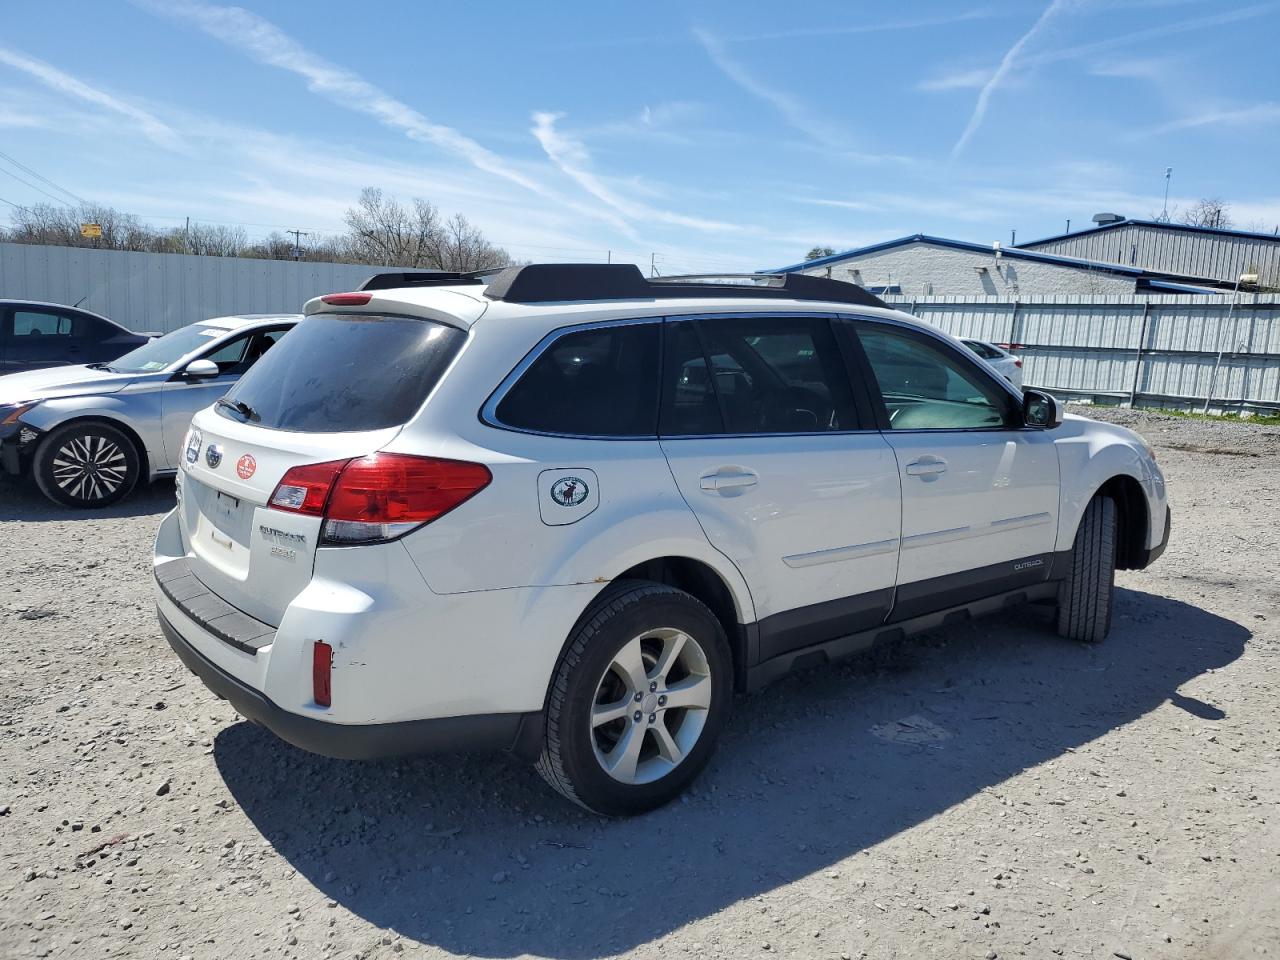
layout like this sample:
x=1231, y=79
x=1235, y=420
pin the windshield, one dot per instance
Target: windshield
x=164, y=351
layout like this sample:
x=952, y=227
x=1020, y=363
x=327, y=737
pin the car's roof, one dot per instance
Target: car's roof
x=10, y=302
x=463, y=306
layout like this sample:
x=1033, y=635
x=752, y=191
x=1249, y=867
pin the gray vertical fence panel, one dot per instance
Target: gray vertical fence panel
x=1089, y=346
x=165, y=291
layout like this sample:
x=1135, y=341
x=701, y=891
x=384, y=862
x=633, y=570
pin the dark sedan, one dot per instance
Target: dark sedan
x=34, y=335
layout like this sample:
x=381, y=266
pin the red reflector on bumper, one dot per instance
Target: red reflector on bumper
x=321, y=669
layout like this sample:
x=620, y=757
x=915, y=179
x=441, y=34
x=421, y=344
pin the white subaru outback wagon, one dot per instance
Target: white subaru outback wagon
x=571, y=511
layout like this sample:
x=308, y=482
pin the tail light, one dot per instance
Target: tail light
x=1017, y=362
x=378, y=497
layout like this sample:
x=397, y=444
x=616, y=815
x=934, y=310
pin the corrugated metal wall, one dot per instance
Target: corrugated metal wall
x=164, y=291
x=1161, y=350
x=1192, y=254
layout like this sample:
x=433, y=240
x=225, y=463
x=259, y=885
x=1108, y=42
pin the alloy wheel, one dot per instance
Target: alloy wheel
x=650, y=706
x=90, y=467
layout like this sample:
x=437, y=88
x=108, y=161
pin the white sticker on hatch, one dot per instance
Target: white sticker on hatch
x=566, y=495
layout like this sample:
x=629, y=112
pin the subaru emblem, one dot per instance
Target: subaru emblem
x=213, y=456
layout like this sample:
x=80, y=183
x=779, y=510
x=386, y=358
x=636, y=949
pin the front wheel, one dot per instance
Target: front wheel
x=86, y=465
x=638, y=700
x=1085, y=597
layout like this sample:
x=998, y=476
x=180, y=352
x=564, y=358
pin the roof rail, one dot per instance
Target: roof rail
x=422, y=278
x=566, y=282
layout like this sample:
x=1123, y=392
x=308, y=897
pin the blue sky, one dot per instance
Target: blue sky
x=719, y=136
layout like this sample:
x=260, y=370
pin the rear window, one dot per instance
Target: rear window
x=595, y=383
x=342, y=372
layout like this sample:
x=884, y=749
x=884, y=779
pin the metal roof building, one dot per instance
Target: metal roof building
x=1173, y=248
x=923, y=266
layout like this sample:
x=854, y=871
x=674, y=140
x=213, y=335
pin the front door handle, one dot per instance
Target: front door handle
x=728, y=478
x=926, y=466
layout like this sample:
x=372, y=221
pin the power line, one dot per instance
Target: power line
x=35, y=188
x=41, y=177
x=16, y=206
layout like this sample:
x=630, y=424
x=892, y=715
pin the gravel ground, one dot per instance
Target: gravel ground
x=985, y=791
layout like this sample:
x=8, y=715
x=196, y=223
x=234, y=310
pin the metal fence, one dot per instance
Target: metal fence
x=1158, y=351
x=165, y=291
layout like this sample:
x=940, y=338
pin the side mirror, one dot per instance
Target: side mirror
x=200, y=370
x=1039, y=409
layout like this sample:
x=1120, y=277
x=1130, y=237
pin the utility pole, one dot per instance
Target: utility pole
x=1013, y=238
x=1164, y=213
x=297, y=242
x=653, y=270
x=187, y=237
x=1068, y=226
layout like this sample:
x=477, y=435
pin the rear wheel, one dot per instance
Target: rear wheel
x=638, y=700
x=86, y=465
x=1085, y=596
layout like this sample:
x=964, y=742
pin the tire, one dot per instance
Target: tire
x=1085, y=597
x=672, y=744
x=86, y=465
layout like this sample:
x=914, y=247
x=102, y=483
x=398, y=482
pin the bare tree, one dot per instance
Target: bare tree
x=1208, y=212
x=381, y=230
x=54, y=224
x=384, y=231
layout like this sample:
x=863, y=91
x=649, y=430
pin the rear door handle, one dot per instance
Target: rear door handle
x=926, y=466
x=728, y=479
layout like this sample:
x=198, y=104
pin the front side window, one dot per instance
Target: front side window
x=927, y=386
x=601, y=382
x=755, y=375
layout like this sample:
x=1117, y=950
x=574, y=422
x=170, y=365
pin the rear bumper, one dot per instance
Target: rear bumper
x=518, y=732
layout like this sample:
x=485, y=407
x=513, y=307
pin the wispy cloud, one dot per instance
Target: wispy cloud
x=1255, y=115
x=795, y=112
x=571, y=156
x=886, y=26
x=154, y=128
x=792, y=110
x=1007, y=63
x=267, y=44
x=1150, y=68
x=958, y=80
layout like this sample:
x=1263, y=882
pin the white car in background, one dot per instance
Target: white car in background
x=1006, y=364
x=571, y=511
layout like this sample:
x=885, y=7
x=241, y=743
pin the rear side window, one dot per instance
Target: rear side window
x=601, y=382
x=338, y=372
x=31, y=323
x=756, y=375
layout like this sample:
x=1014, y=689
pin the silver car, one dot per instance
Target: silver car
x=88, y=434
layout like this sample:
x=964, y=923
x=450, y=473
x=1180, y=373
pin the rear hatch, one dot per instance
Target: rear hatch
x=336, y=388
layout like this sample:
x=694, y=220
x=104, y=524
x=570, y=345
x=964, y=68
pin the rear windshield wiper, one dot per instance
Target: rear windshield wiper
x=102, y=366
x=240, y=407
